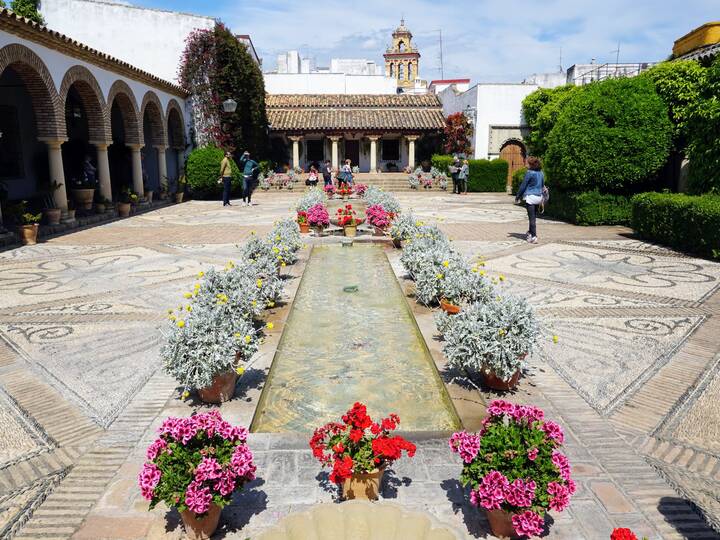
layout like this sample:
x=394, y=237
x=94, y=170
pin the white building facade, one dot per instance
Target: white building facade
x=328, y=83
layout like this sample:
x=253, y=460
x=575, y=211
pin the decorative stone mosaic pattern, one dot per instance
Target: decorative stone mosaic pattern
x=21, y=436
x=606, y=358
x=687, y=279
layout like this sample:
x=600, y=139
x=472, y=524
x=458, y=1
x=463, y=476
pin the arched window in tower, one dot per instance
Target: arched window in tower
x=401, y=72
x=392, y=69
x=410, y=72
x=401, y=46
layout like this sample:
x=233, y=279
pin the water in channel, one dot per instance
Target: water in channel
x=340, y=347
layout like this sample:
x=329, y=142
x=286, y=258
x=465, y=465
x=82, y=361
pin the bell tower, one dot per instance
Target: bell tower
x=402, y=59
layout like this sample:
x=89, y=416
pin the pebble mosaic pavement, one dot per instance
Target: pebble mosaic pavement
x=634, y=377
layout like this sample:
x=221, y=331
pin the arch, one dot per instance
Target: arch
x=401, y=71
x=121, y=93
x=392, y=69
x=153, y=109
x=36, y=77
x=175, y=125
x=93, y=101
x=410, y=72
x=513, y=151
x=401, y=46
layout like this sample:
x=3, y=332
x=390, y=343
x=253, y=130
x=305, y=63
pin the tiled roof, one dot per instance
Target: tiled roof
x=389, y=112
x=15, y=24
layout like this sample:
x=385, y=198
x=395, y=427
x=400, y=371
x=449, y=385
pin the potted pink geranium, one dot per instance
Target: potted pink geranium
x=514, y=468
x=378, y=218
x=318, y=217
x=195, y=465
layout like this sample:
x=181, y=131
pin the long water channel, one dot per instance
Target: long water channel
x=340, y=347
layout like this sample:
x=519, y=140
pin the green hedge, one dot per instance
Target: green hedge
x=485, y=175
x=203, y=171
x=517, y=179
x=589, y=208
x=685, y=222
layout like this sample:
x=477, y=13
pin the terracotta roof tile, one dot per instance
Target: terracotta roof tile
x=390, y=112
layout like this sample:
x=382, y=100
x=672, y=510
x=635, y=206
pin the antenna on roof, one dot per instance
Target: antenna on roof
x=442, y=67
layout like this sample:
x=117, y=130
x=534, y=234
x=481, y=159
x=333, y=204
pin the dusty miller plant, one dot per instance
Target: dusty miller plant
x=404, y=227
x=310, y=198
x=286, y=240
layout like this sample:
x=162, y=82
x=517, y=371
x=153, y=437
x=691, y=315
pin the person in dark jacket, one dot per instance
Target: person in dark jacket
x=327, y=173
x=249, y=170
x=531, y=191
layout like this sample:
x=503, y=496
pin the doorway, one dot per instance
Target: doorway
x=352, y=152
x=514, y=153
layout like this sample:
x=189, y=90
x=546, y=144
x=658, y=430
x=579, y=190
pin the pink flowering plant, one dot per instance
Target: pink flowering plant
x=195, y=462
x=317, y=216
x=514, y=464
x=377, y=216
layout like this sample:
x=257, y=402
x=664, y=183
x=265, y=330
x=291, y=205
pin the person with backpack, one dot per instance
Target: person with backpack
x=533, y=192
x=346, y=174
x=250, y=169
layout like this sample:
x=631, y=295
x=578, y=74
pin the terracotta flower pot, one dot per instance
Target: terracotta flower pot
x=379, y=231
x=179, y=197
x=350, y=230
x=100, y=208
x=363, y=486
x=304, y=227
x=496, y=383
x=53, y=215
x=28, y=234
x=83, y=198
x=222, y=388
x=501, y=523
x=397, y=243
x=123, y=209
x=201, y=528
x=449, y=307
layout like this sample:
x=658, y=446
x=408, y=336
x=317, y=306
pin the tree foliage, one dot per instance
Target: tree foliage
x=541, y=110
x=611, y=135
x=216, y=66
x=457, y=134
x=27, y=9
x=704, y=136
x=679, y=84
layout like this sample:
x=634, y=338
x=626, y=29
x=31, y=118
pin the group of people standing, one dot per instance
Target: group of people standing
x=345, y=175
x=459, y=172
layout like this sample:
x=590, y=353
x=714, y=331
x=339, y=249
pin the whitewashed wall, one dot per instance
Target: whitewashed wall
x=328, y=83
x=496, y=104
x=150, y=39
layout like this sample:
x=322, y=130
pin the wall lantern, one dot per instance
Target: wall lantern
x=229, y=105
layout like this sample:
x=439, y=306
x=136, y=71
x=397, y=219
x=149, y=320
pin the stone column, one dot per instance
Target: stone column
x=104, y=170
x=57, y=172
x=335, y=161
x=180, y=160
x=137, y=175
x=373, y=153
x=411, y=150
x=296, y=150
x=162, y=163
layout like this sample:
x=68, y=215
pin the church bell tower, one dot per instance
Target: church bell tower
x=402, y=59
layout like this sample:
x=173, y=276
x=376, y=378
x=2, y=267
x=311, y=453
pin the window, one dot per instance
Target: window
x=11, y=158
x=315, y=150
x=391, y=150
x=401, y=72
x=392, y=70
x=410, y=69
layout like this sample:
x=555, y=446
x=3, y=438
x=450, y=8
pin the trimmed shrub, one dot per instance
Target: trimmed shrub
x=589, y=208
x=486, y=175
x=203, y=171
x=541, y=110
x=704, y=136
x=442, y=162
x=685, y=222
x=612, y=136
x=517, y=179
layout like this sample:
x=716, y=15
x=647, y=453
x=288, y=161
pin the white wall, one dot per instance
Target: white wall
x=327, y=83
x=150, y=39
x=496, y=104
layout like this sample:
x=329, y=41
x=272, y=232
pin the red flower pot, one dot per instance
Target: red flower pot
x=222, y=388
x=201, y=528
x=501, y=523
x=449, y=307
x=304, y=227
x=496, y=383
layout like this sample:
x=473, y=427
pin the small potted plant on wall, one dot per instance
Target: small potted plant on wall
x=196, y=465
x=359, y=450
x=515, y=469
x=29, y=226
x=52, y=212
x=83, y=188
x=127, y=199
x=302, y=221
x=318, y=217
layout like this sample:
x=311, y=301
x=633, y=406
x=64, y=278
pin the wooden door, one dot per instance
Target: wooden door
x=514, y=153
x=352, y=152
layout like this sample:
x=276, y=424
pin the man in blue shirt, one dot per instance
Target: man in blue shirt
x=249, y=169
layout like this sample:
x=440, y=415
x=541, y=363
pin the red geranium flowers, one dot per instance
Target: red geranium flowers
x=358, y=445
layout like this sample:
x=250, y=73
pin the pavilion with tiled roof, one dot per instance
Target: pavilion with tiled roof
x=376, y=132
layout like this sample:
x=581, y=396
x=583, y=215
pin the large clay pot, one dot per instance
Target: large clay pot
x=28, y=234
x=179, y=197
x=449, y=307
x=350, y=231
x=222, y=388
x=70, y=216
x=53, y=215
x=123, y=209
x=83, y=198
x=304, y=227
x=496, y=383
x=501, y=523
x=363, y=486
x=201, y=528
x=100, y=208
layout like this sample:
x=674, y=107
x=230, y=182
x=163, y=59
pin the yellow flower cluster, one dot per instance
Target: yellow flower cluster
x=259, y=283
x=555, y=339
x=270, y=326
x=446, y=263
x=222, y=298
x=439, y=276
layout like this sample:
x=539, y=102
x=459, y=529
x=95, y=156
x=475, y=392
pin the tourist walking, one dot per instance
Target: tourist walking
x=226, y=177
x=454, y=171
x=250, y=169
x=531, y=191
x=346, y=174
x=463, y=175
x=327, y=173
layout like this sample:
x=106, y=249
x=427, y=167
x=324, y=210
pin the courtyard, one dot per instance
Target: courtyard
x=628, y=364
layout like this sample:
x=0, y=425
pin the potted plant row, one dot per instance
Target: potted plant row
x=378, y=217
x=318, y=217
x=128, y=198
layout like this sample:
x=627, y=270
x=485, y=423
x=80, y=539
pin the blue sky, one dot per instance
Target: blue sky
x=486, y=40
